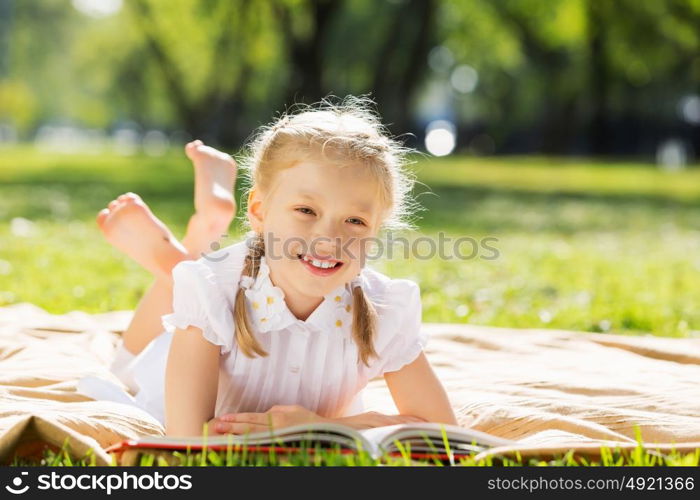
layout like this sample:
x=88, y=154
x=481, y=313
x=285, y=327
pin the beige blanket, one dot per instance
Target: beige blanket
x=550, y=390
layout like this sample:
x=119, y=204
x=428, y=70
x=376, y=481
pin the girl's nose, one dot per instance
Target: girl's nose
x=325, y=245
x=326, y=238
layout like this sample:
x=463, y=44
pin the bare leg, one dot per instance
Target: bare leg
x=129, y=225
x=128, y=220
x=214, y=203
x=145, y=324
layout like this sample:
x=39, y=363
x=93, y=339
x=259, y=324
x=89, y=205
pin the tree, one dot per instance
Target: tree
x=198, y=111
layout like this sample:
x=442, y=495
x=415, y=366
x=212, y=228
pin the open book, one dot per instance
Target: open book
x=419, y=440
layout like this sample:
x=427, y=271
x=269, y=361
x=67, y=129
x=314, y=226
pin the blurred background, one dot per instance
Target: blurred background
x=513, y=76
x=568, y=130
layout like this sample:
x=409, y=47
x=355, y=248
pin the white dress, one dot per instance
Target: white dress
x=312, y=362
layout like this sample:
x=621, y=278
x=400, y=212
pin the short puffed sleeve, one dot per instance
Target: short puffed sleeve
x=406, y=338
x=198, y=301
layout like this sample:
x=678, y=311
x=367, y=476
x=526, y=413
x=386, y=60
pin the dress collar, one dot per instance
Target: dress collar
x=269, y=312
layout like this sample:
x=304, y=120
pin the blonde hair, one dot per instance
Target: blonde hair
x=349, y=133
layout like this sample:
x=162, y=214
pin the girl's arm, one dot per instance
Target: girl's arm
x=191, y=382
x=417, y=391
x=418, y=395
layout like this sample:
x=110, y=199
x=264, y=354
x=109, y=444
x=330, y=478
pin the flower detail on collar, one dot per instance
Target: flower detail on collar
x=269, y=312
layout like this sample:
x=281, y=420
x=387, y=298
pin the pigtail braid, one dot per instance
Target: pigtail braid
x=364, y=324
x=245, y=337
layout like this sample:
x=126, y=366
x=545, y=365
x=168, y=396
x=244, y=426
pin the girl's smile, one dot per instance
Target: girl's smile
x=320, y=266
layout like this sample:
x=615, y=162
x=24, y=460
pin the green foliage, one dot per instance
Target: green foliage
x=187, y=64
x=17, y=104
x=538, y=66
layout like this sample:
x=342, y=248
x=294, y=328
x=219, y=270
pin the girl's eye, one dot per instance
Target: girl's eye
x=308, y=211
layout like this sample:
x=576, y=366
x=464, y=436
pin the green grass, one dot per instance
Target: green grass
x=609, y=457
x=592, y=246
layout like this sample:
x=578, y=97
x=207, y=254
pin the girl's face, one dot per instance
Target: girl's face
x=316, y=212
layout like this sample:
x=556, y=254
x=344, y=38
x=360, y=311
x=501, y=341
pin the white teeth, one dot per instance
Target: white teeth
x=323, y=264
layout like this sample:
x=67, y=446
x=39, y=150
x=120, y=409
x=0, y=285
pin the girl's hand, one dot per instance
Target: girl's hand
x=277, y=417
x=212, y=426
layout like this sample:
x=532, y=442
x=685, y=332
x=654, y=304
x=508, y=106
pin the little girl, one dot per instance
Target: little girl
x=288, y=326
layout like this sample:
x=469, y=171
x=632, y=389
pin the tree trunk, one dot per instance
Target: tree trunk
x=305, y=54
x=402, y=60
x=599, y=130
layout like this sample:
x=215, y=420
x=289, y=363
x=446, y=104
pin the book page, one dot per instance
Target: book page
x=314, y=431
x=384, y=436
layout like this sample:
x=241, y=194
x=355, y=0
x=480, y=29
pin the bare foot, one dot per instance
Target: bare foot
x=130, y=226
x=214, y=204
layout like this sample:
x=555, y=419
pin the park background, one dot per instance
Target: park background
x=566, y=129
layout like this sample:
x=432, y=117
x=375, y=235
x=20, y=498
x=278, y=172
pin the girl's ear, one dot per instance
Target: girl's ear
x=255, y=210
